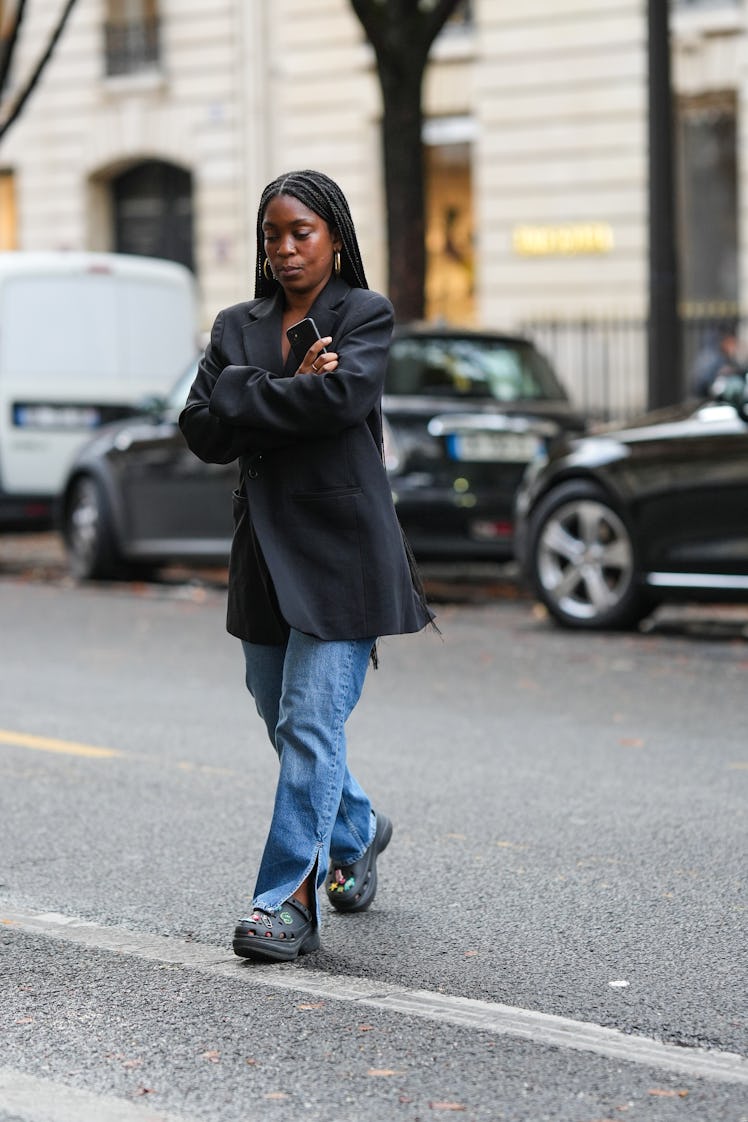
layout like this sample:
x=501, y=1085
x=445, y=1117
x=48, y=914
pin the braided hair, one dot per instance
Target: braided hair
x=322, y=195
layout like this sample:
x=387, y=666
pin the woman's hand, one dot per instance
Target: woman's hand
x=315, y=362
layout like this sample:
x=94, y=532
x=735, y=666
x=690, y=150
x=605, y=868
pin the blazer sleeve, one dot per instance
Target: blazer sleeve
x=314, y=405
x=210, y=438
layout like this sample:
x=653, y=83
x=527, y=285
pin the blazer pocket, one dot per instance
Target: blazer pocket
x=322, y=496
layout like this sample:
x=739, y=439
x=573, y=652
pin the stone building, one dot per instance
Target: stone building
x=158, y=122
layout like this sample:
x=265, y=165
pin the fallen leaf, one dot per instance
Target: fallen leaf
x=366, y=1028
x=145, y=1091
x=470, y=954
x=447, y=1106
x=384, y=1071
x=312, y=1005
x=132, y=1063
x=276, y=1095
x=631, y=742
x=25, y=1021
x=665, y=1094
x=213, y=1056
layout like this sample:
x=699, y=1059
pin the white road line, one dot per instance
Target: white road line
x=485, y=1016
x=43, y=1100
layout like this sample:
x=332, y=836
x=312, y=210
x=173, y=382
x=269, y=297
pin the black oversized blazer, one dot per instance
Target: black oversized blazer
x=321, y=532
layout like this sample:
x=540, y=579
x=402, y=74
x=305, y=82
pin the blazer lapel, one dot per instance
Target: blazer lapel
x=261, y=335
x=325, y=311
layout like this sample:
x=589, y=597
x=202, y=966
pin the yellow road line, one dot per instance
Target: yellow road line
x=48, y=744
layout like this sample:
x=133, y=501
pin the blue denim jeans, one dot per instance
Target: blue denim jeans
x=305, y=690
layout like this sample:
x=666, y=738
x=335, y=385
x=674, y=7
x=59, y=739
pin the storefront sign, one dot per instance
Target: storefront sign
x=564, y=240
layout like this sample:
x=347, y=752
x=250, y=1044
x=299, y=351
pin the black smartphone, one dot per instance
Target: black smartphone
x=301, y=336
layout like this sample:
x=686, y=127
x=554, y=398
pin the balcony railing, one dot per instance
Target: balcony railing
x=131, y=47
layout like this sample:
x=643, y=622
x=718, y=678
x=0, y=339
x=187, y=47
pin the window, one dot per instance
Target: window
x=153, y=212
x=8, y=216
x=131, y=33
x=450, y=258
x=708, y=187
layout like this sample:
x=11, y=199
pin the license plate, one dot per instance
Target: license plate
x=513, y=447
x=43, y=415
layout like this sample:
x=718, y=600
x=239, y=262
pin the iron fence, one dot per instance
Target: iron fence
x=604, y=362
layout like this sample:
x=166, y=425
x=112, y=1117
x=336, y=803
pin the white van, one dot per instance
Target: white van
x=83, y=338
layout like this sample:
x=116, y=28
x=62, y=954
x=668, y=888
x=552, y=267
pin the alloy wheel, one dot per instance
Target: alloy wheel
x=585, y=561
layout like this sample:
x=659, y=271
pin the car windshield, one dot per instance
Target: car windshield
x=480, y=366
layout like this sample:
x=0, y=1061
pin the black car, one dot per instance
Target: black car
x=136, y=497
x=612, y=524
x=464, y=414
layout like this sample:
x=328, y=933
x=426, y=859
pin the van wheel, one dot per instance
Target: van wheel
x=87, y=529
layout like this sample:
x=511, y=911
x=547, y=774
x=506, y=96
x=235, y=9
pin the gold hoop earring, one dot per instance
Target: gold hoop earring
x=336, y=260
x=267, y=270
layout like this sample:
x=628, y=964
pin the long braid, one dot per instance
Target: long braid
x=322, y=195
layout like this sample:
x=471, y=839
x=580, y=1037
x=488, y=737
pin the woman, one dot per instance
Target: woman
x=318, y=566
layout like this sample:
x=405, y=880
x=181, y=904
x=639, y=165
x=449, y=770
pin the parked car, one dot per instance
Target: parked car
x=612, y=524
x=136, y=497
x=464, y=414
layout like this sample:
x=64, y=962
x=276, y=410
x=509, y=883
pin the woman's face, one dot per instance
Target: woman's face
x=299, y=246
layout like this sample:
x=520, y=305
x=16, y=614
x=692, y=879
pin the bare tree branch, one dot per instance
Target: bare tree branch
x=36, y=74
x=8, y=38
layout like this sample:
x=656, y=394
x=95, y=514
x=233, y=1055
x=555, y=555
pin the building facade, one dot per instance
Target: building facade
x=157, y=123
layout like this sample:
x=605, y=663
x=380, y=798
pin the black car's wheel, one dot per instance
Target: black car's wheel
x=582, y=560
x=87, y=529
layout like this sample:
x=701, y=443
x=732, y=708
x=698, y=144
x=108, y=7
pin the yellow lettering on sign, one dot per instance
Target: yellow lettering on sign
x=563, y=241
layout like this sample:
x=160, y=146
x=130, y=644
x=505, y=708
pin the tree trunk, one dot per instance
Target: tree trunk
x=401, y=33
x=404, y=188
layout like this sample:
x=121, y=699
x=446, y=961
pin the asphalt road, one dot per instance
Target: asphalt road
x=560, y=927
